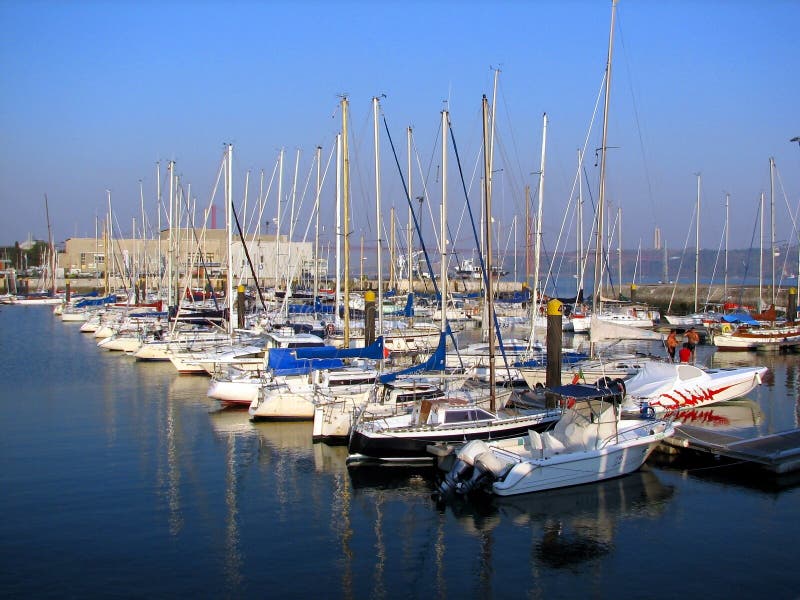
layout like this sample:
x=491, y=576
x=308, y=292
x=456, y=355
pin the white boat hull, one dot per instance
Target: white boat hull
x=576, y=468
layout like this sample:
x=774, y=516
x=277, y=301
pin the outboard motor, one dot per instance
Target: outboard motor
x=461, y=470
x=486, y=466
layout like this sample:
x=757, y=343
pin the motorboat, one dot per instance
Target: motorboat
x=662, y=386
x=449, y=419
x=589, y=443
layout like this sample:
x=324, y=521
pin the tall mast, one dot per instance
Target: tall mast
x=619, y=247
x=338, y=290
x=158, y=225
x=697, y=246
x=229, y=217
x=538, y=249
x=443, y=223
x=289, y=269
x=598, y=259
x=375, y=108
x=142, y=257
x=52, y=257
x=171, y=300
x=278, y=218
x=514, y=223
x=760, y=249
x=527, y=235
x=772, y=221
x=346, y=219
x=725, y=285
x=487, y=274
x=316, y=227
x=409, y=232
x=109, y=244
x=392, y=283
x=579, y=252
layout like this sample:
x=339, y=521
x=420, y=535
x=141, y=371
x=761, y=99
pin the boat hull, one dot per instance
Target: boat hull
x=568, y=470
x=414, y=442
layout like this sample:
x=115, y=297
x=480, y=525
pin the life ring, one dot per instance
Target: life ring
x=330, y=329
x=726, y=328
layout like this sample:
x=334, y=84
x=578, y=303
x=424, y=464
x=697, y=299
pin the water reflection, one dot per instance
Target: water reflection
x=742, y=416
x=242, y=442
x=570, y=526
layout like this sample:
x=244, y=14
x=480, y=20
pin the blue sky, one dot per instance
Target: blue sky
x=95, y=93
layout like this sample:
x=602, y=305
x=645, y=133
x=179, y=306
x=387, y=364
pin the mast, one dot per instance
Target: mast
x=158, y=211
x=375, y=107
x=392, y=283
x=316, y=228
x=579, y=252
x=289, y=269
x=346, y=219
x=598, y=259
x=725, y=283
x=514, y=223
x=538, y=249
x=229, y=217
x=527, y=235
x=338, y=291
x=697, y=246
x=278, y=219
x=171, y=300
x=52, y=257
x=443, y=223
x=487, y=201
x=619, y=247
x=760, y=249
x=772, y=221
x=409, y=232
x=109, y=244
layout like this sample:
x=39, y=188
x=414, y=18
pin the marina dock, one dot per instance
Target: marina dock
x=778, y=453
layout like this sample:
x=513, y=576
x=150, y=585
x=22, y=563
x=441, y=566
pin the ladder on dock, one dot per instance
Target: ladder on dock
x=778, y=452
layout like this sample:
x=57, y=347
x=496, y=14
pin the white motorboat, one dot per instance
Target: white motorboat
x=589, y=443
x=662, y=386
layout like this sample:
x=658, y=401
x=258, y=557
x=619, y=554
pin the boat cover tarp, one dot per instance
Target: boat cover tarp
x=567, y=358
x=740, y=318
x=374, y=351
x=96, y=301
x=434, y=363
x=581, y=391
x=317, y=307
x=284, y=361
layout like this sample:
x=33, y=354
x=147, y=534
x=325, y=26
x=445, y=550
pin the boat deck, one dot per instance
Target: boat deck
x=778, y=453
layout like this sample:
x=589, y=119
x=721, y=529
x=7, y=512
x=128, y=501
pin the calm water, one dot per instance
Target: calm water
x=120, y=479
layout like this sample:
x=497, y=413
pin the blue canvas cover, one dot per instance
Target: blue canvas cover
x=740, y=318
x=434, y=363
x=374, y=351
x=96, y=301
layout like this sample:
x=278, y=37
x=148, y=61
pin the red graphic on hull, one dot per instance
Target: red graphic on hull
x=688, y=398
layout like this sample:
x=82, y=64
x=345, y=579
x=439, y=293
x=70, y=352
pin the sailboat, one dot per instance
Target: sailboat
x=750, y=335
